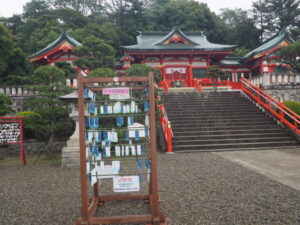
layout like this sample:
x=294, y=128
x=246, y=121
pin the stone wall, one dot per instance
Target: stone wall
x=33, y=146
x=288, y=92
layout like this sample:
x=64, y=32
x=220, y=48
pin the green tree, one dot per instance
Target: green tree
x=143, y=70
x=240, y=52
x=273, y=16
x=68, y=69
x=49, y=82
x=103, y=72
x=291, y=55
x=12, y=58
x=94, y=53
x=215, y=72
x=35, y=9
x=5, y=105
x=240, y=28
x=86, y=7
x=188, y=15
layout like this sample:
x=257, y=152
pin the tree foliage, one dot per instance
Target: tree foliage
x=291, y=55
x=103, y=72
x=12, y=58
x=5, y=105
x=240, y=28
x=50, y=83
x=94, y=53
x=273, y=16
x=143, y=70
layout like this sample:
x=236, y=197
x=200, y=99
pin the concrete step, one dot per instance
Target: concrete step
x=244, y=124
x=214, y=147
x=234, y=140
x=192, y=137
x=224, y=127
x=276, y=129
x=220, y=120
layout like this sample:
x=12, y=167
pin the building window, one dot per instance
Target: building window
x=199, y=73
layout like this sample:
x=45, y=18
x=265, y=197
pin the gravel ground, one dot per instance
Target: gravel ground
x=195, y=188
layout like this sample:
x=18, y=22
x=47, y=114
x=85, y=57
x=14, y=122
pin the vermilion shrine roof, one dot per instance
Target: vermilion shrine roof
x=63, y=43
x=274, y=43
x=175, y=40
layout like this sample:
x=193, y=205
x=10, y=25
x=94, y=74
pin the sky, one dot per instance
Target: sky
x=10, y=7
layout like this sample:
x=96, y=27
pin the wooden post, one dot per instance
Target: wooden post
x=23, y=154
x=83, y=177
x=154, y=191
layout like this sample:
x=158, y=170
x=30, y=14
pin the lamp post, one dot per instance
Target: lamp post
x=70, y=153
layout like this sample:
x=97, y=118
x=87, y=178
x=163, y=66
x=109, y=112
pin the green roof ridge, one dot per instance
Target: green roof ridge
x=267, y=45
x=64, y=36
x=174, y=31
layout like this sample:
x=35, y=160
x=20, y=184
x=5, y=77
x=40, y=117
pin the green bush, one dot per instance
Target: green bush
x=294, y=106
x=5, y=105
x=31, y=123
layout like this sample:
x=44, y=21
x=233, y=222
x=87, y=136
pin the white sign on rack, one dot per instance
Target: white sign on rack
x=126, y=183
x=9, y=133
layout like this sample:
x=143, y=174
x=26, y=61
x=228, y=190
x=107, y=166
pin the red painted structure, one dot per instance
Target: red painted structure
x=59, y=50
x=185, y=57
x=17, y=120
x=270, y=104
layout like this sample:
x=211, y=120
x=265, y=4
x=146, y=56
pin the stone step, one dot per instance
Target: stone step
x=229, y=132
x=219, y=111
x=213, y=147
x=192, y=137
x=241, y=148
x=207, y=115
x=229, y=127
x=230, y=140
x=220, y=120
x=244, y=124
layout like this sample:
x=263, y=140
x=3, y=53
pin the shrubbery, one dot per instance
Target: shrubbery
x=294, y=106
x=31, y=123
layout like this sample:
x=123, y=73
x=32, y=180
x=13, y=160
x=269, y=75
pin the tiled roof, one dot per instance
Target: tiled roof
x=63, y=37
x=269, y=44
x=154, y=41
x=231, y=61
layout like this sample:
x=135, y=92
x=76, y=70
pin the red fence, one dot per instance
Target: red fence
x=11, y=132
x=166, y=125
x=278, y=109
x=199, y=84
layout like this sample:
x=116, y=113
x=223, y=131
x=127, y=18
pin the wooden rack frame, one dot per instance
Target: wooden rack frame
x=89, y=205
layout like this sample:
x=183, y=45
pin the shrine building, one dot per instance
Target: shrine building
x=59, y=50
x=187, y=56
x=184, y=57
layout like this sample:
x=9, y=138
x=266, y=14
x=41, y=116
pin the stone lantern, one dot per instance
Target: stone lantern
x=71, y=153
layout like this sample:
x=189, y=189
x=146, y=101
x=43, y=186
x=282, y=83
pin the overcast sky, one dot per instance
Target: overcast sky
x=10, y=7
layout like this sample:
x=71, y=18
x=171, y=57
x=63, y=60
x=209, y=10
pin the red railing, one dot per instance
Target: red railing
x=164, y=84
x=199, y=84
x=278, y=109
x=166, y=125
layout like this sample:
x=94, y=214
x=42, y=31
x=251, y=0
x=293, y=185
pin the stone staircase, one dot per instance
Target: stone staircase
x=221, y=121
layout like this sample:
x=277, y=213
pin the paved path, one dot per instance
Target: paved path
x=279, y=165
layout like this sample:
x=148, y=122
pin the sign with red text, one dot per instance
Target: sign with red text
x=126, y=183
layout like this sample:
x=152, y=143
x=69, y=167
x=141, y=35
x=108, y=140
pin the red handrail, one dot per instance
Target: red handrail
x=166, y=125
x=165, y=85
x=278, y=109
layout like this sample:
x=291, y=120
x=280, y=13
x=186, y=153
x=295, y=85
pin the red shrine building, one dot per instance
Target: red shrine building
x=184, y=57
x=187, y=56
x=59, y=50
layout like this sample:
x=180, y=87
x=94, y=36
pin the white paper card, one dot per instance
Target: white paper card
x=126, y=183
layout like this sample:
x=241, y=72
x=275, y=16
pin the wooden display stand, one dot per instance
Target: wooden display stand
x=89, y=205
